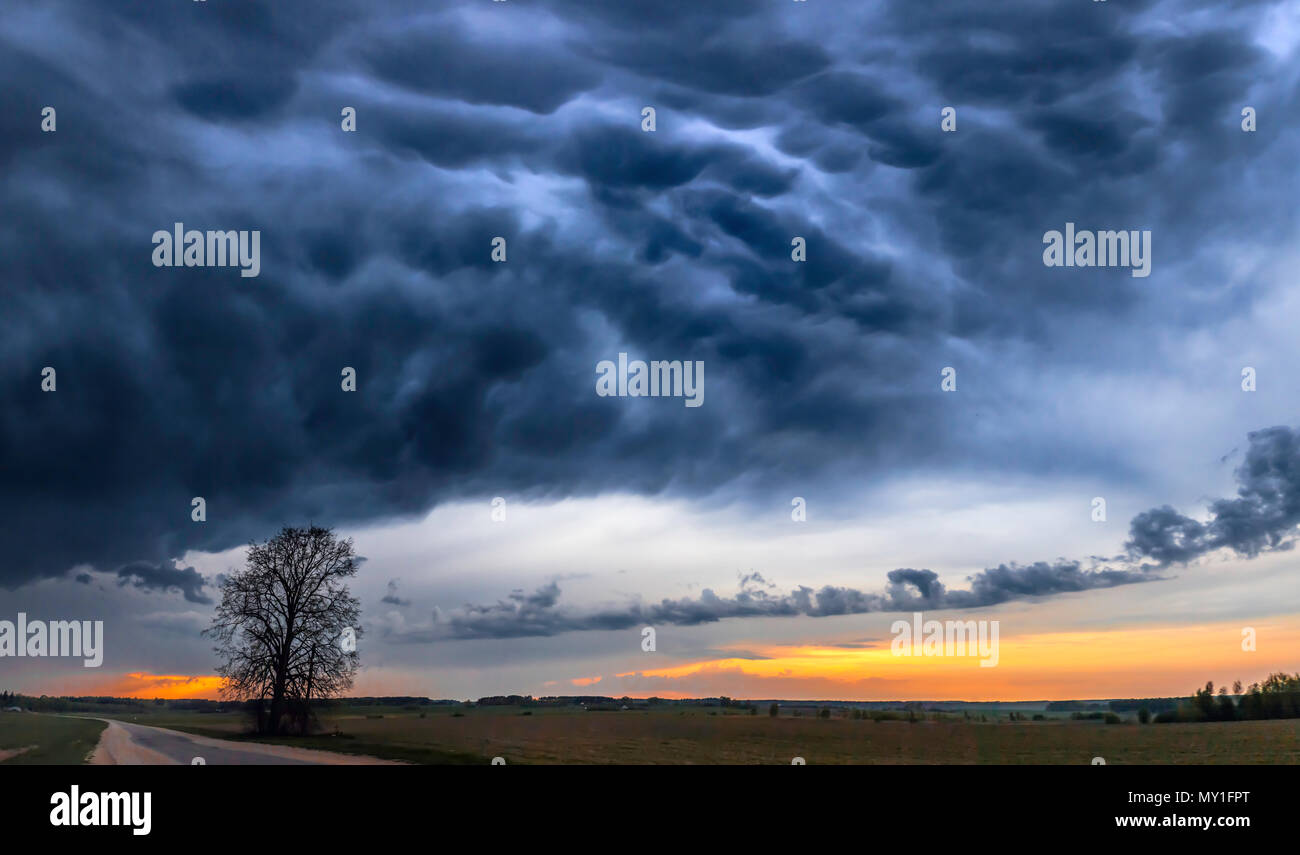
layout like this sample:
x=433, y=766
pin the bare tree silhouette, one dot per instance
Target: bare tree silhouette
x=285, y=623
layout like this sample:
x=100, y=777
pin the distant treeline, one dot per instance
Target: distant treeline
x=1075, y=706
x=604, y=701
x=397, y=701
x=48, y=703
x=1278, y=696
x=1151, y=705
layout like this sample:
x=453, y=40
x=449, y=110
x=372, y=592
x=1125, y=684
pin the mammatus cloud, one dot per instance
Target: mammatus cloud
x=475, y=378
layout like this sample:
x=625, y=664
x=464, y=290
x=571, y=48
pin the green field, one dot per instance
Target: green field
x=57, y=740
x=675, y=735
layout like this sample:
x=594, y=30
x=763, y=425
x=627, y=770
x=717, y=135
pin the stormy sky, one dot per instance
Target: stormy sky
x=476, y=378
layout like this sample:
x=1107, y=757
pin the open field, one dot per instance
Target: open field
x=57, y=740
x=698, y=736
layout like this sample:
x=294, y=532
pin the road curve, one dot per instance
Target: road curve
x=128, y=744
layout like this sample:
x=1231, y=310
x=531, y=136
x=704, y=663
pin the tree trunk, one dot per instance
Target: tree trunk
x=277, y=694
x=277, y=709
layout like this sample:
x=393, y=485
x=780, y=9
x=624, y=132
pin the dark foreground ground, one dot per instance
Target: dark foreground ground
x=700, y=736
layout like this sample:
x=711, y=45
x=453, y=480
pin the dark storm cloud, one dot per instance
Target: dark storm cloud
x=1019, y=52
x=188, y=581
x=442, y=60
x=476, y=379
x=1262, y=518
x=239, y=97
x=848, y=98
x=540, y=613
x=759, y=68
x=391, y=597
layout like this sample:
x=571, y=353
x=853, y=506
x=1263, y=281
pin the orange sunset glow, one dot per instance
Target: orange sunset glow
x=168, y=686
x=1170, y=660
x=1120, y=663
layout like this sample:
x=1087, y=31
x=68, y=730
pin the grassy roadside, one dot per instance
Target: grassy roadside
x=228, y=728
x=405, y=752
x=59, y=741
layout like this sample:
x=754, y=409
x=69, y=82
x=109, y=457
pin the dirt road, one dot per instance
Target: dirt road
x=127, y=744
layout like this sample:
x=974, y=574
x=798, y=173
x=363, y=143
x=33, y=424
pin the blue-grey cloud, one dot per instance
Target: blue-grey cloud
x=1262, y=518
x=391, y=597
x=475, y=379
x=540, y=613
x=185, y=580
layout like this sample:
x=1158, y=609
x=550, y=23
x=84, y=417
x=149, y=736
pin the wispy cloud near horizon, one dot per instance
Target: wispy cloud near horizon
x=540, y=613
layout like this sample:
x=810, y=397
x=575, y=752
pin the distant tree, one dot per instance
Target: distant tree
x=1144, y=715
x=773, y=710
x=279, y=628
x=826, y=712
x=1203, y=707
x=1278, y=696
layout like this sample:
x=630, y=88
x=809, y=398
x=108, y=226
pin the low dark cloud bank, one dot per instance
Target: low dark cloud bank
x=540, y=613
